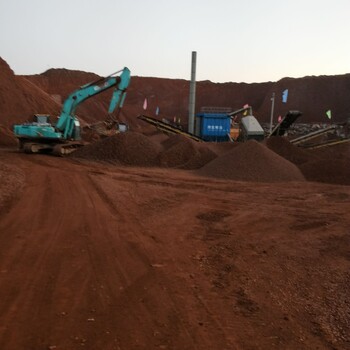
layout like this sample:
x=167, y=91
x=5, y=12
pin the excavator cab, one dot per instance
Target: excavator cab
x=41, y=119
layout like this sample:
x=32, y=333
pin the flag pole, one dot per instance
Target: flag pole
x=272, y=108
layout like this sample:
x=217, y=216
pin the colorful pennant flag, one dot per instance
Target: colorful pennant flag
x=157, y=110
x=329, y=114
x=145, y=104
x=285, y=96
x=246, y=111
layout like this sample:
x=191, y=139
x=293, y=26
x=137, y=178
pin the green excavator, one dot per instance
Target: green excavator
x=64, y=136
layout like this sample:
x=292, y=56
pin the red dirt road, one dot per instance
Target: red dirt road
x=102, y=257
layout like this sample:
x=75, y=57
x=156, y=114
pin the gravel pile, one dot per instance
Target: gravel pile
x=333, y=171
x=252, y=161
x=275, y=160
x=130, y=148
x=287, y=150
x=182, y=152
x=326, y=164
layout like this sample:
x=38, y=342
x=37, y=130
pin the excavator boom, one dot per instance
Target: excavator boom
x=66, y=119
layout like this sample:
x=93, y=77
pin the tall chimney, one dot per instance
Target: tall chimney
x=192, y=102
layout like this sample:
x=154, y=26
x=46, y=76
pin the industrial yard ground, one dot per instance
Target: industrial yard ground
x=237, y=248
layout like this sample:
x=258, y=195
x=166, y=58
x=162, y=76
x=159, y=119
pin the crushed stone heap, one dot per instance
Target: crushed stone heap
x=129, y=148
x=252, y=161
x=182, y=152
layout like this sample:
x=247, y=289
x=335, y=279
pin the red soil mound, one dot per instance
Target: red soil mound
x=333, y=171
x=20, y=99
x=252, y=161
x=128, y=148
x=158, y=137
x=341, y=150
x=220, y=148
x=182, y=152
x=203, y=156
x=326, y=164
x=178, y=150
x=287, y=150
x=62, y=82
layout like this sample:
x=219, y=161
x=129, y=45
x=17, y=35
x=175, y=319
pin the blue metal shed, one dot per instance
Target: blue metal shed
x=213, y=126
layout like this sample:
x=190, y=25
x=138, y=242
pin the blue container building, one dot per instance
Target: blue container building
x=213, y=127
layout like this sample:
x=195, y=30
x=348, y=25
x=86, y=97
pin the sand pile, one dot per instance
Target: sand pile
x=252, y=161
x=220, y=148
x=333, y=171
x=20, y=99
x=341, y=150
x=129, y=148
x=287, y=150
x=182, y=152
x=202, y=156
x=158, y=137
x=178, y=150
x=326, y=164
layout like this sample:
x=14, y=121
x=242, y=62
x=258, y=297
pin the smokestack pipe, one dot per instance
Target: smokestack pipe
x=192, y=102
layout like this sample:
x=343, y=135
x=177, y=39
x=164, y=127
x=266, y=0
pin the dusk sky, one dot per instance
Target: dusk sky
x=236, y=41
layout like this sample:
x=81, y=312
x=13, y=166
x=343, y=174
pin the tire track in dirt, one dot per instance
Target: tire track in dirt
x=127, y=258
x=92, y=276
x=139, y=224
x=36, y=222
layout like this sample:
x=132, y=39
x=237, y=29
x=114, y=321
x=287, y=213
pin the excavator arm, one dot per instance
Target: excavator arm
x=67, y=119
x=63, y=137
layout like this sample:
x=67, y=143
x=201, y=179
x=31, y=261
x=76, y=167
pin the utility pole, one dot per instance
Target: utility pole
x=272, y=108
x=192, y=101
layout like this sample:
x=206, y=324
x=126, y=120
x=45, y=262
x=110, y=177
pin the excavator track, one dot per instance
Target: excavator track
x=32, y=147
x=57, y=149
x=64, y=149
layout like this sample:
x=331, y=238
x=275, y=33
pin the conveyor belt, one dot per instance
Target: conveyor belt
x=168, y=128
x=326, y=143
x=281, y=128
x=312, y=135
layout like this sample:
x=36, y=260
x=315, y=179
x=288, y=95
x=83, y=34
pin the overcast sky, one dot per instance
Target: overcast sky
x=236, y=41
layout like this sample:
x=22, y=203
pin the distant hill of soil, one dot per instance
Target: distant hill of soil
x=22, y=96
x=312, y=95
